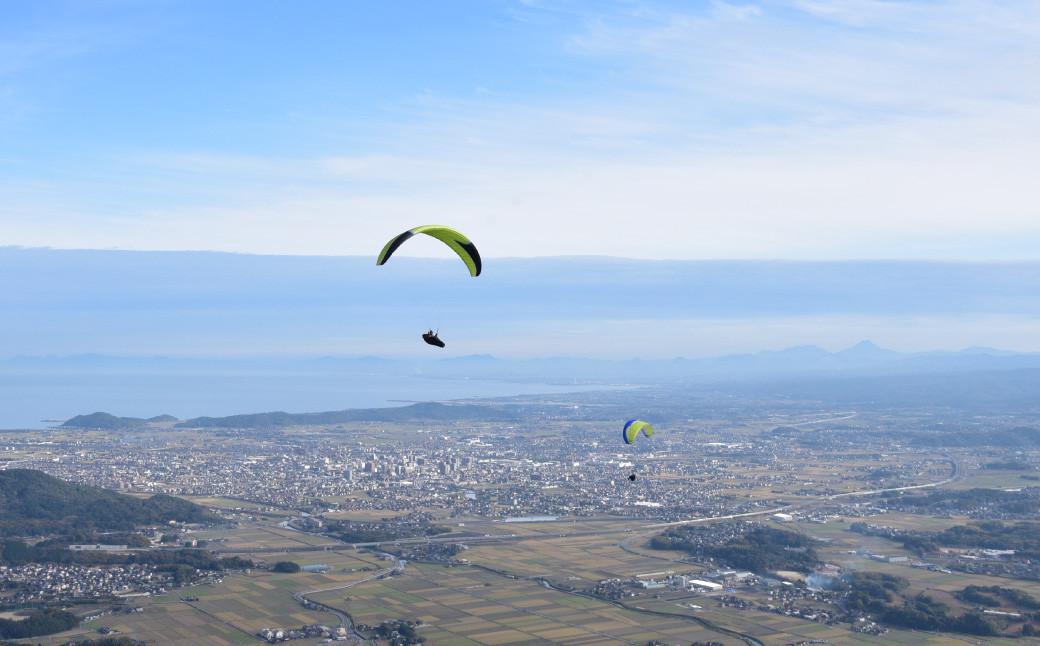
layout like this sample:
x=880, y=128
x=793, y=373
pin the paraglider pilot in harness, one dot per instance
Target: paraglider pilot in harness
x=457, y=242
x=632, y=430
x=431, y=338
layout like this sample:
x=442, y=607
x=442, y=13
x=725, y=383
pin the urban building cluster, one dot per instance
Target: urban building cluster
x=479, y=469
x=45, y=583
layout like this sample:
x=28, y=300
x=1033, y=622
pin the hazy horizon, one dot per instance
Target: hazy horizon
x=260, y=359
x=212, y=304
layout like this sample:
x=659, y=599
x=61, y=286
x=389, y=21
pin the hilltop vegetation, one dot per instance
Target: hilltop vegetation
x=758, y=549
x=1017, y=437
x=425, y=412
x=33, y=503
x=991, y=596
x=354, y=532
x=56, y=551
x=1024, y=538
x=109, y=422
x=885, y=597
x=990, y=502
x=45, y=623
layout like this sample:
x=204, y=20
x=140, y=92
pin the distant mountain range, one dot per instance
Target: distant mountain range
x=422, y=412
x=427, y=411
x=864, y=375
x=864, y=358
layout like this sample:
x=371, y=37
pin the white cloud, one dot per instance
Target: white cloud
x=815, y=129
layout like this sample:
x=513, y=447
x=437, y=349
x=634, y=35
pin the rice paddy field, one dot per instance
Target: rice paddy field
x=466, y=605
x=506, y=595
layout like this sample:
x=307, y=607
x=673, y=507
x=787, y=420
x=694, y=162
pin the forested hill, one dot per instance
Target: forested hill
x=425, y=412
x=107, y=421
x=33, y=503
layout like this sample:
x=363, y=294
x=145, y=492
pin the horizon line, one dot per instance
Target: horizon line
x=773, y=259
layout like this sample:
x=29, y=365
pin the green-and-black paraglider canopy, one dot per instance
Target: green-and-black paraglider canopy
x=459, y=243
x=455, y=240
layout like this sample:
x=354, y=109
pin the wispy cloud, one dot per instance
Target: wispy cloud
x=778, y=128
x=819, y=57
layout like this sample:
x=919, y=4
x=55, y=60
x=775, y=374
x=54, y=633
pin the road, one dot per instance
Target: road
x=344, y=619
x=653, y=529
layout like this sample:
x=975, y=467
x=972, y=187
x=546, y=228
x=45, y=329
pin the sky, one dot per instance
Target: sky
x=793, y=129
x=218, y=305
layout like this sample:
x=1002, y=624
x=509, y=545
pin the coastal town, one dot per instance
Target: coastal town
x=367, y=504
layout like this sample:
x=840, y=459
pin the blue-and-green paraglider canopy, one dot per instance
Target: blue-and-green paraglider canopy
x=459, y=243
x=633, y=428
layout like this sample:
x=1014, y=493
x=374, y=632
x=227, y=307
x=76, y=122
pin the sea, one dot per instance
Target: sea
x=41, y=399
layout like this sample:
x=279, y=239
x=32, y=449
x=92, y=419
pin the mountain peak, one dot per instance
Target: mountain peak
x=868, y=350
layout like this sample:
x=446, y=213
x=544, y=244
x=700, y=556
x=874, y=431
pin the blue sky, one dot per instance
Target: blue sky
x=801, y=129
